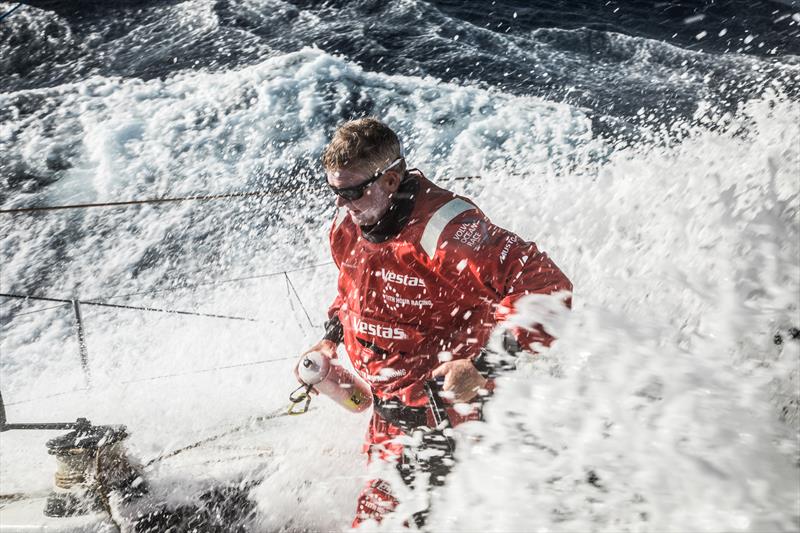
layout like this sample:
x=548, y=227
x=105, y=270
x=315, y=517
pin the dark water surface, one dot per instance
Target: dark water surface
x=617, y=58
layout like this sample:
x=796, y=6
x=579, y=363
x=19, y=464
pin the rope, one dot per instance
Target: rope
x=118, y=306
x=138, y=202
x=16, y=496
x=277, y=413
x=205, y=370
x=103, y=491
x=7, y=13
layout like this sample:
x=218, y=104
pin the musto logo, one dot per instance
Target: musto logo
x=384, y=332
x=401, y=279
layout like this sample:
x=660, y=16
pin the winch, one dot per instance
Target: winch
x=91, y=464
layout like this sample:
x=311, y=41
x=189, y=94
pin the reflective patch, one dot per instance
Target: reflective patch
x=440, y=219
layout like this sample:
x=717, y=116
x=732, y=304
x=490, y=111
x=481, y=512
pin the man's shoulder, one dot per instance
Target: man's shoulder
x=446, y=214
x=429, y=190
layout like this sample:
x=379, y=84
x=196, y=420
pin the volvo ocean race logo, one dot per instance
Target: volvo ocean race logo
x=401, y=279
x=384, y=332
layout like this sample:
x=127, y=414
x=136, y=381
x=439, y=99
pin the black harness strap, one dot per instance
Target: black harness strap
x=400, y=415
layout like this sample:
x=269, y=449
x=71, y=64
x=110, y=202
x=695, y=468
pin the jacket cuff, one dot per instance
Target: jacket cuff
x=483, y=366
x=490, y=364
x=334, y=331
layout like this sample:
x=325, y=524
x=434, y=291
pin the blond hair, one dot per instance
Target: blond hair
x=365, y=144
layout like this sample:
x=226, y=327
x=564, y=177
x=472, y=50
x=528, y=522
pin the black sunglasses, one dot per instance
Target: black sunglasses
x=357, y=191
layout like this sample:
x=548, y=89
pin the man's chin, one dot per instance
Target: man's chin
x=363, y=219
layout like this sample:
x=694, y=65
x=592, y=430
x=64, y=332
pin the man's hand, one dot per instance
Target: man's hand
x=461, y=379
x=325, y=347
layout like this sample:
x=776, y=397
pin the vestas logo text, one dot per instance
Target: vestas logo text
x=402, y=279
x=377, y=330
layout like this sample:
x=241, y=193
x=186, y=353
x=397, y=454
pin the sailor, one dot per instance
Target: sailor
x=424, y=279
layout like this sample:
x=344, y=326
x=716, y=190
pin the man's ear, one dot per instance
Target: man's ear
x=392, y=181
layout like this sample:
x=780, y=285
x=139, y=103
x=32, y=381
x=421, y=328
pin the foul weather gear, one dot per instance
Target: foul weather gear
x=433, y=276
x=440, y=284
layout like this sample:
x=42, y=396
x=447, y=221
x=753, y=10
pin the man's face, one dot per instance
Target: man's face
x=372, y=205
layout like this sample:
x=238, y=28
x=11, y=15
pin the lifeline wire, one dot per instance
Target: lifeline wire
x=39, y=310
x=154, y=378
x=296, y=295
x=151, y=200
x=7, y=13
x=191, y=286
x=118, y=306
x=290, y=285
x=220, y=282
x=137, y=202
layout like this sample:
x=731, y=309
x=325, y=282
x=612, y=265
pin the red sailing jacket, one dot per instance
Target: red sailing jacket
x=440, y=285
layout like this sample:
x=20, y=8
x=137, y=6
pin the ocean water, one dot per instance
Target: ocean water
x=651, y=148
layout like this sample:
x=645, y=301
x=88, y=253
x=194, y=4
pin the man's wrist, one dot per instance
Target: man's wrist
x=484, y=367
x=334, y=331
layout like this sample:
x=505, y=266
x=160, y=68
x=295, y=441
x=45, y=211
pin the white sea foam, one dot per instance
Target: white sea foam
x=665, y=383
